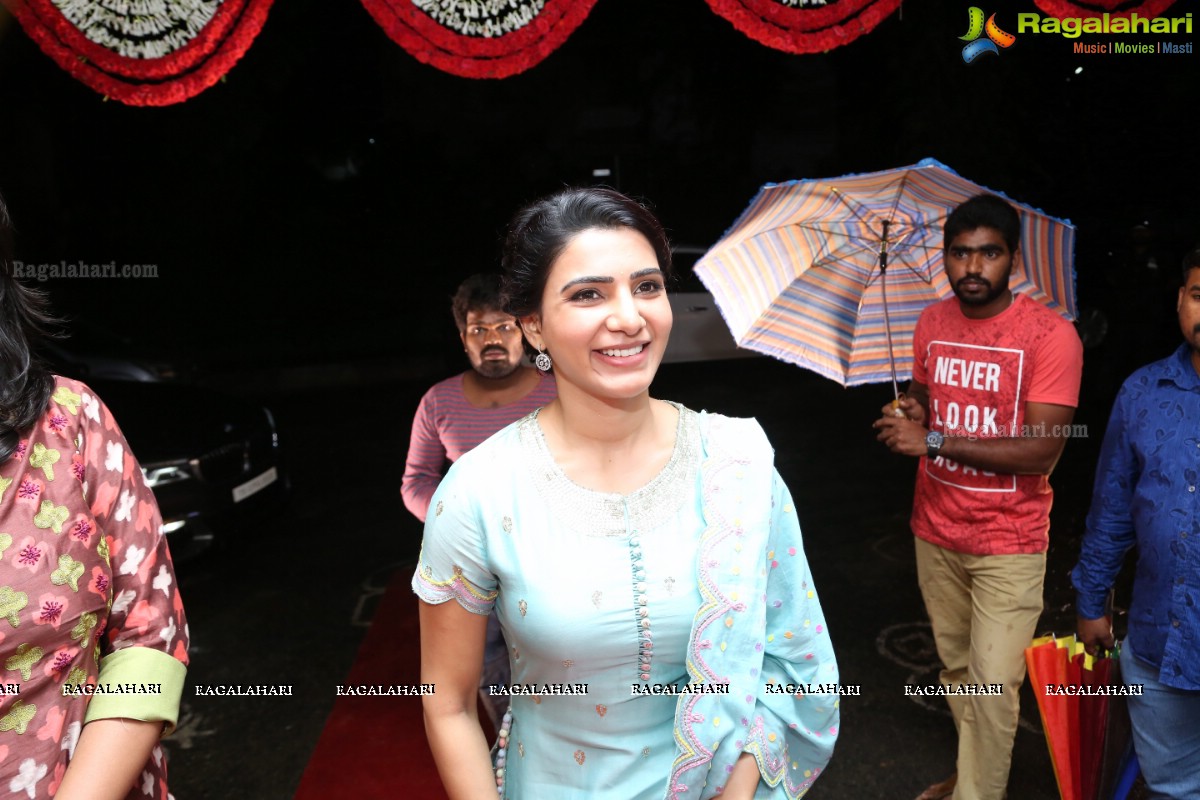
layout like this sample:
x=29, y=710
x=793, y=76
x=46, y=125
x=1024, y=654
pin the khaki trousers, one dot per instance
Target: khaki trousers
x=984, y=610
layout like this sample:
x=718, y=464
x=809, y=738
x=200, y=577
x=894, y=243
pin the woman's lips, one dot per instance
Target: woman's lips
x=623, y=352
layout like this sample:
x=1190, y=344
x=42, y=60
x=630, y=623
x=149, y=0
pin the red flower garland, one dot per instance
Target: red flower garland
x=804, y=30
x=482, y=55
x=172, y=78
x=1065, y=8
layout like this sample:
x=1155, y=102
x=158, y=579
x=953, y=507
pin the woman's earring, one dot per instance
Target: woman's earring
x=542, y=361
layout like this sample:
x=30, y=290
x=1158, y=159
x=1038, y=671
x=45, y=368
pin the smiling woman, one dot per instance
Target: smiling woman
x=604, y=318
x=618, y=537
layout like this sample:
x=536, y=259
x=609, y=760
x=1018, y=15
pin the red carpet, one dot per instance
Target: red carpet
x=374, y=747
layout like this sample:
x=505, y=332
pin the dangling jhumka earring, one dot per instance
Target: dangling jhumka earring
x=542, y=361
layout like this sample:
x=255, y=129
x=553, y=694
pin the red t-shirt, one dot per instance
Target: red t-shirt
x=980, y=375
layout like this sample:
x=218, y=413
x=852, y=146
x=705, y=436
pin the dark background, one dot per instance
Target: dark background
x=322, y=202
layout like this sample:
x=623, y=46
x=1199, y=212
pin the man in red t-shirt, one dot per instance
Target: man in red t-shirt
x=995, y=385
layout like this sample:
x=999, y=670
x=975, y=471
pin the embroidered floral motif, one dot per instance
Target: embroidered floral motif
x=82, y=530
x=99, y=583
x=506, y=524
x=51, y=516
x=5, y=541
x=83, y=628
x=23, y=660
x=44, y=458
x=17, y=719
x=597, y=596
x=580, y=757
x=437, y=512
x=68, y=572
x=50, y=609
x=11, y=603
x=522, y=606
x=29, y=489
x=67, y=399
x=29, y=554
x=60, y=662
x=4, y=484
x=601, y=709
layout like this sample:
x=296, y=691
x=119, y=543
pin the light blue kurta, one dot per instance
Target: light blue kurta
x=595, y=590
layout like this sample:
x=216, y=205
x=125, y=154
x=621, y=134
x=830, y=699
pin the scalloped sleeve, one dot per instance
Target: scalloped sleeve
x=453, y=564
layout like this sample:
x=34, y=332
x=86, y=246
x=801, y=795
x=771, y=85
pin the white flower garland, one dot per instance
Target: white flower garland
x=139, y=28
x=483, y=18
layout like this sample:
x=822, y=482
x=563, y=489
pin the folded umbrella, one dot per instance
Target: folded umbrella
x=1047, y=659
x=1086, y=728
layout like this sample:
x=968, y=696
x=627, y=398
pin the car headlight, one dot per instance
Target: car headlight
x=163, y=474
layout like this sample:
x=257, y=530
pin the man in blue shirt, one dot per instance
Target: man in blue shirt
x=1147, y=494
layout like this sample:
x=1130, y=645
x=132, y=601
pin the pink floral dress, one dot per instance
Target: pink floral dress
x=91, y=623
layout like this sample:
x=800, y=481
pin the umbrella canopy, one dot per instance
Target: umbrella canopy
x=798, y=274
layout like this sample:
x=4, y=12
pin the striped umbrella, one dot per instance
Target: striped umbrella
x=798, y=276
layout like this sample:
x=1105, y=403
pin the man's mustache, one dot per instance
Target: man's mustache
x=493, y=348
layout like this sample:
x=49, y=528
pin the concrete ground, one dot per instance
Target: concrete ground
x=288, y=602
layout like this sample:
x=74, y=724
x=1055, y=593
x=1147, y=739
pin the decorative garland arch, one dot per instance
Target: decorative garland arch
x=143, y=52
x=159, y=52
x=800, y=26
x=479, y=38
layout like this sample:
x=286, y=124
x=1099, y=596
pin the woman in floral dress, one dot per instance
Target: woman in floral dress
x=93, y=641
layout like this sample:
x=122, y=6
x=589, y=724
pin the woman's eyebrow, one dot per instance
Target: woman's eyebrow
x=586, y=279
x=641, y=273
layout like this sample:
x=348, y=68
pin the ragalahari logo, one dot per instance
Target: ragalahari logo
x=976, y=27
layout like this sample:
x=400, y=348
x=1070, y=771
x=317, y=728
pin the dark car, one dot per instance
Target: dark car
x=213, y=461
x=88, y=351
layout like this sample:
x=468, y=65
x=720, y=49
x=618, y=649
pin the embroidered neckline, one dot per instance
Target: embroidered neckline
x=596, y=513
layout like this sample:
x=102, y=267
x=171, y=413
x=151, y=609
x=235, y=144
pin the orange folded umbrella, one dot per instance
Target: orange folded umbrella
x=1079, y=718
x=1048, y=660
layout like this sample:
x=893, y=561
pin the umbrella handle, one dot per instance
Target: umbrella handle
x=896, y=411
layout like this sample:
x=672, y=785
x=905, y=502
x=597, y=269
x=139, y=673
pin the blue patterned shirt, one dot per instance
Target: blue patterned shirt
x=1147, y=493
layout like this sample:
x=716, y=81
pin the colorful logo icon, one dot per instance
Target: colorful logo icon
x=976, y=27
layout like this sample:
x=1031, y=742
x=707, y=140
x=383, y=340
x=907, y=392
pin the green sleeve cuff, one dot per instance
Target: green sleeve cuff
x=138, y=683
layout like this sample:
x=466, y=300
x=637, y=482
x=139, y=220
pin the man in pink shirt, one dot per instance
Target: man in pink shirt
x=995, y=385
x=457, y=414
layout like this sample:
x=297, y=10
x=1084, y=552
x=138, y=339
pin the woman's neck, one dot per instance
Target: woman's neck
x=611, y=446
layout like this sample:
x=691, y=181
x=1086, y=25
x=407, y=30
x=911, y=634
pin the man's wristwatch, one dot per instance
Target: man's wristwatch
x=933, y=443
